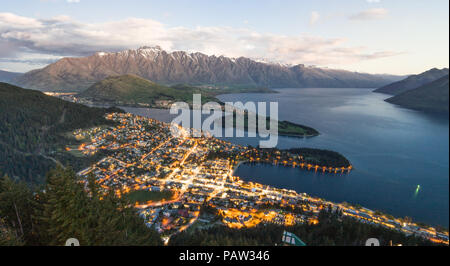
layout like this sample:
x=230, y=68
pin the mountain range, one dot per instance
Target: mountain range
x=157, y=65
x=414, y=81
x=431, y=97
x=6, y=76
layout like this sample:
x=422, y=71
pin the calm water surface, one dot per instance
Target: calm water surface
x=392, y=149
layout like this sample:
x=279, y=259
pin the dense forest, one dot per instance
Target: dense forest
x=333, y=229
x=32, y=127
x=68, y=208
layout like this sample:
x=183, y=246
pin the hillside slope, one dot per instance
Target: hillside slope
x=432, y=97
x=134, y=90
x=32, y=128
x=413, y=81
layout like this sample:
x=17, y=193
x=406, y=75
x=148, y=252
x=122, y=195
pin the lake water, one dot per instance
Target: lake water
x=392, y=149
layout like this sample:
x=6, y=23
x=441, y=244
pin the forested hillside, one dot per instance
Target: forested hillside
x=32, y=131
x=65, y=209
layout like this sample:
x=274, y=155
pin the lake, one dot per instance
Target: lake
x=392, y=149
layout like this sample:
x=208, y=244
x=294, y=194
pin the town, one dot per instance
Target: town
x=178, y=182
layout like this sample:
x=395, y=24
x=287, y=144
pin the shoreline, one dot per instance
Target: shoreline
x=305, y=167
x=106, y=104
x=237, y=166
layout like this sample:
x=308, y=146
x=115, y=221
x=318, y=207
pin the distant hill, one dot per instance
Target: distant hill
x=153, y=63
x=6, y=76
x=134, y=90
x=33, y=129
x=432, y=97
x=413, y=81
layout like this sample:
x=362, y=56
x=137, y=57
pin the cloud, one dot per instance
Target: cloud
x=373, y=13
x=73, y=1
x=63, y=36
x=315, y=16
x=7, y=49
x=28, y=61
x=12, y=21
x=373, y=1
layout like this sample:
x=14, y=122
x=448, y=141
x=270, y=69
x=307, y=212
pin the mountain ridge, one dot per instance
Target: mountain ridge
x=7, y=76
x=133, y=90
x=413, y=81
x=432, y=97
x=153, y=63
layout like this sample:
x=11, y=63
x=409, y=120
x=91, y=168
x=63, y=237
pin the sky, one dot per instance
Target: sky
x=373, y=36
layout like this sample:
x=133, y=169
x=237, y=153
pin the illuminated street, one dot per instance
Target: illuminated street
x=199, y=173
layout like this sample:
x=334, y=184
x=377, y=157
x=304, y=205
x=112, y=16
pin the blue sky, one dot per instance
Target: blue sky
x=376, y=36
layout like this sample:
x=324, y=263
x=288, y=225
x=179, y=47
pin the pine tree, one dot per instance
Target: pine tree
x=8, y=237
x=16, y=209
x=62, y=213
x=70, y=211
